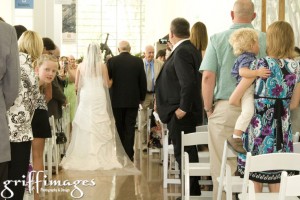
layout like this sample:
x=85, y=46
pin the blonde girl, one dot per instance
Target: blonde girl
x=46, y=68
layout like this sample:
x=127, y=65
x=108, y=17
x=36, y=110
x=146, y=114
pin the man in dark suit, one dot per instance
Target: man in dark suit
x=128, y=90
x=178, y=92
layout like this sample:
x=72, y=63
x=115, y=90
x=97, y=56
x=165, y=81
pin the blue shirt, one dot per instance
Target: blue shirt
x=244, y=60
x=219, y=58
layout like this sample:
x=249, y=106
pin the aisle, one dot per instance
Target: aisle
x=147, y=186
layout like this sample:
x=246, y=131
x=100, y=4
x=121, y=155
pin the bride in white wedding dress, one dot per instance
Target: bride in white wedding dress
x=95, y=143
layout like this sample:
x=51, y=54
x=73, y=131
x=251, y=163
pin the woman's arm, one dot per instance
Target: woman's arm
x=105, y=76
x=235, y=98
x=296, y=97
x=77, y=78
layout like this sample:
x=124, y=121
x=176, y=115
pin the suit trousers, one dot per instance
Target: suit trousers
x=18, y=167
x=3, y=176
x=125, y=123
x=148, y=103
x=175, y=126
x=220, y=126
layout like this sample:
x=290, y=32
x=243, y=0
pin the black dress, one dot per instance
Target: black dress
x=40, y=121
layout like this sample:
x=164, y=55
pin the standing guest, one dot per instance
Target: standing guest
x=218, y=84
x=199, y=37
x=46, y=68
x=20, y=29
x=152, y=69
x=177, y=91
x=20, y=114
x=9, y=88
x=128, y=90
x=270, y=128
x=70, y=88
x=161, y=55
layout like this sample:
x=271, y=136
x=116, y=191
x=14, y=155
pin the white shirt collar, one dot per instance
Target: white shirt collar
x=178, y=43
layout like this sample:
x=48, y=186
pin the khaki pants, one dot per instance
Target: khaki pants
x=220, y=126
x=148, y=103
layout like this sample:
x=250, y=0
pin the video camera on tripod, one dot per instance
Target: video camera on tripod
x=104, y=47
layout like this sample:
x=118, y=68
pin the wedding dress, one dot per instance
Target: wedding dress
x=95, y=144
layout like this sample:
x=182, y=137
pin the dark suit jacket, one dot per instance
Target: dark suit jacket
x=178, y=84
x=129, y=80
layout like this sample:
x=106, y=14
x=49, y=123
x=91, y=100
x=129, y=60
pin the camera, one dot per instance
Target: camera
x=66, y=63
x=163, y=41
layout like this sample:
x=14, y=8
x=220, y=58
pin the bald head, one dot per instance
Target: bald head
x=243, y=11
x=124, y=46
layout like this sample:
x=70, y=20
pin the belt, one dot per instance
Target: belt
x=150, y=92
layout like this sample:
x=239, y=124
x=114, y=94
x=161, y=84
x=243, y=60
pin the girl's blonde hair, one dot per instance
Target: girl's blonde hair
x=31, y=43
x=242, y=40
x=280, y=40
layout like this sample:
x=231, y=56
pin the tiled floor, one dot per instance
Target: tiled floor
x=146, y=186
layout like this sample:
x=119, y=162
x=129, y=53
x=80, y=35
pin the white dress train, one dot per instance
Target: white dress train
x=95, y=142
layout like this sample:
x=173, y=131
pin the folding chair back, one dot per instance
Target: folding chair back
x=289, y=186
x=266, y=162
x=192, y=169
x=202, y=128
x=227, y=181
x=168, y=159
x=296, y=147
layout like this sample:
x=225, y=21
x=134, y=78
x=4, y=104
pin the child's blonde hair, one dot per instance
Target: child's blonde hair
x=242, y=40
x=280, y=40
x=45, y=57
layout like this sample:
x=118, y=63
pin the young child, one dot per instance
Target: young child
x=46, y=68
x=155, y=137
x=245, y=45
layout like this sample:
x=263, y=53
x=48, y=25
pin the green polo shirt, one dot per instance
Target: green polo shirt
x=219, y=58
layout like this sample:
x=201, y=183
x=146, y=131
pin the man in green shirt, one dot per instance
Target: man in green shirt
x=218, y=84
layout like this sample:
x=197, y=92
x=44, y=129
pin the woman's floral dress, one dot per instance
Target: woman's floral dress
x=270, y=128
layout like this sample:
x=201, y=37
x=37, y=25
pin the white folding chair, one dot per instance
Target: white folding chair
x=140, y=133
x=193, y=169
x=202, y=128
x=289, y=186
x=289, y=189
x=170, y=176
x=203, y=155
x=266, y=162
x=51, y=152
x=296, y=147
x=66, y=121
x=228, y=182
